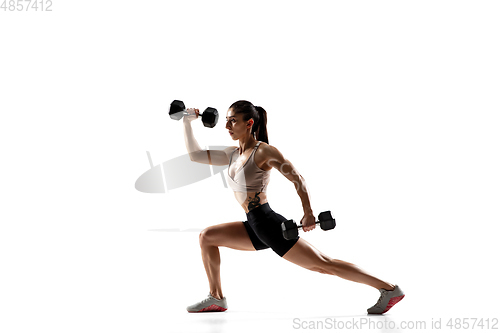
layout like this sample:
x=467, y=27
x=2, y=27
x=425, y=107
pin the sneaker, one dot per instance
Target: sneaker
x=209, y=304
x=387, y=300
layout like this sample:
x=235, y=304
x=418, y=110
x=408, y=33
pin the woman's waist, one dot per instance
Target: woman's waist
x=259, y=210
x=250, y=200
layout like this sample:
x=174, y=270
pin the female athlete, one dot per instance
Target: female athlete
x=249, y=168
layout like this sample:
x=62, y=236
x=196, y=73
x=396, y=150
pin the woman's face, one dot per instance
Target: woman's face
x=236, y=126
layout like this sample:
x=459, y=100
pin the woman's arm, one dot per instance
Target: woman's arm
x=196, y=154
x=276, y=160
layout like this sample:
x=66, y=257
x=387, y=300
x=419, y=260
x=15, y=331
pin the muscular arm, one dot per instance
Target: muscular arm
x=277, y=161
x=196, y=154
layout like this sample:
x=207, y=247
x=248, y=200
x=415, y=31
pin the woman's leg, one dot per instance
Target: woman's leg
x=232, y=235
x=307, y=256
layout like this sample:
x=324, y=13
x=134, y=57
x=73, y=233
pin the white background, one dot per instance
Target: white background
x=389, y=110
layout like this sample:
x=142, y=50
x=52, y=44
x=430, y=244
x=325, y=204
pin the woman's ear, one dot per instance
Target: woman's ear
x=250, y=122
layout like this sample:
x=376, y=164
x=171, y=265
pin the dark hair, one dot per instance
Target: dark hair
x=258, y=114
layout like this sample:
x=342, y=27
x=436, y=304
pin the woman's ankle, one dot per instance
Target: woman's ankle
x=389, y=287
x=217, y=295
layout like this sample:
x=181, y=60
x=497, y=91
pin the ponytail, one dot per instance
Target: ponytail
x=261, y=129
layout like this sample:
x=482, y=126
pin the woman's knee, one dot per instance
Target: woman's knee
x=327, y=265
x=324, y=265
x=341, y=267
x=215, y=235
x=232, y=235
x=207, y=236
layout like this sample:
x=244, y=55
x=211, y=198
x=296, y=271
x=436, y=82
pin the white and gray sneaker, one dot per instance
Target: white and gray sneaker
x=209, y=304
x=387, y=300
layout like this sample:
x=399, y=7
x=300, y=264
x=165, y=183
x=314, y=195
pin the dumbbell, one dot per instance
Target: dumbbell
x=291, y=230
x=209, y=117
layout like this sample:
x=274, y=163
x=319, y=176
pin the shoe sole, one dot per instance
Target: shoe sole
x=393, y=302
x=211, y=308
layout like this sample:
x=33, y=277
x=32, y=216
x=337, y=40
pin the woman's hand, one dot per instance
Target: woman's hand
x=192, y=115
x=308, y=222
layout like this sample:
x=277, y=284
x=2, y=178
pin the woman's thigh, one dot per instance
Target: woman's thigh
x=232, y=235
x=306, y=255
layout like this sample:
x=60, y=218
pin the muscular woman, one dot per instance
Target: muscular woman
x=249, y=167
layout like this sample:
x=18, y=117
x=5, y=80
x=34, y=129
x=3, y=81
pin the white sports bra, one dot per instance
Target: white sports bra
x=249, y=178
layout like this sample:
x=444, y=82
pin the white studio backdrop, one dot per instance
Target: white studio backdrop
x=388, y=109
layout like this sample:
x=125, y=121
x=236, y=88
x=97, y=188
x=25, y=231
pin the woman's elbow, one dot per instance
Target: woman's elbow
x=194, y=156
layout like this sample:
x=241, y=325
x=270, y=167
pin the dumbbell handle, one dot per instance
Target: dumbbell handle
x=300, y=225
x=186, y=112
x=291, y=229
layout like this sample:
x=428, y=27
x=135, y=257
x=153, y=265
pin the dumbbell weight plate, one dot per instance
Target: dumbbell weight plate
x=327, y=222
x=176, y=111
x=290, y=230
x=210, y=117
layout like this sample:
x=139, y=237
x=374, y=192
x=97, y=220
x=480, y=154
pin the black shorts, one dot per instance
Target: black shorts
x=264, y=228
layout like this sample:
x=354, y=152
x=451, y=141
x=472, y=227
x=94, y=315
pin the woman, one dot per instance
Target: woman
x=249, y=170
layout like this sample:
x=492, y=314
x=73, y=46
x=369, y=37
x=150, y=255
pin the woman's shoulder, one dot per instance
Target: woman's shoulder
x=266, y=153
x=268, y=150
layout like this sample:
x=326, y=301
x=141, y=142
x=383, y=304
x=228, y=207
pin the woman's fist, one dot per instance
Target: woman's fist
x=192, y=114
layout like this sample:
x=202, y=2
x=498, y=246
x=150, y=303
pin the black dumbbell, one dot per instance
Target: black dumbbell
x=291, y=230
x=209, y=117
